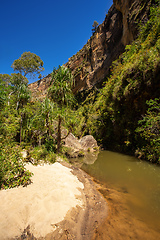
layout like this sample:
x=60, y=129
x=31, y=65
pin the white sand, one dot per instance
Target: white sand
x=54, y=191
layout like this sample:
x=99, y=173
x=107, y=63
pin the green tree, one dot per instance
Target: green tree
x=5, y=78
x=61, y=93
x=149, y=131
x=20, y=89
x=47, y=109
x=34, y=123
x=95, y=25
x=40, y=116
x=3, y=94
x=28, y=63
x=12, y=170
x=20, y=94
x=60, y=90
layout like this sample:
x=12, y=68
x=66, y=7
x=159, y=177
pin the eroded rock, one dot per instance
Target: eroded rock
x=88, y=142
x=79, y=147
x=91, y=65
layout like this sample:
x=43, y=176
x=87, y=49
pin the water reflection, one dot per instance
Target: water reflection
x=88, y=159
x=139, y=179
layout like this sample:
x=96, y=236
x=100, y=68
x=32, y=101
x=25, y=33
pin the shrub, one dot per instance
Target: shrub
x=12, y=170
x=41, y=154
x=50, y=144
x=149, y=131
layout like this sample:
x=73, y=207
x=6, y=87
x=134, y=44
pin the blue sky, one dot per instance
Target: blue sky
x=54, y=30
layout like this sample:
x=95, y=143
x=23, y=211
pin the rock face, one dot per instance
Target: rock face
x=72, y=142
x=133, y=11
x=86, y=143
x=39, y=88
x=91, y=65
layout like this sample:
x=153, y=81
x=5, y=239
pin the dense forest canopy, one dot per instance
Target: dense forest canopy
x=124, y=115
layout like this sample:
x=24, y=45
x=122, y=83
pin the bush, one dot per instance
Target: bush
x=12, y=170
x=149, y=131
x=41, y=154
x=50, y=144
x=51, y=157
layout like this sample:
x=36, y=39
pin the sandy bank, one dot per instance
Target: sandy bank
x=60, y=202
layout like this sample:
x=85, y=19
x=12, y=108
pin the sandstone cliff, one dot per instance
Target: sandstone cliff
x=91, y=64
x=39, y=88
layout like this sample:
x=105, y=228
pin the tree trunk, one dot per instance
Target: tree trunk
x=59, y=134
x=48, y=125
x=39, y=142
x=20, y=137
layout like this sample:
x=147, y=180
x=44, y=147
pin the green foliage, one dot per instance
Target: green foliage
x=95, y=25
x=10, y=124
x=138, y=65
x=3, y=94
x=50, y=144
x=21, y=121
x=123, y=116
x=40, y=154
x=34, y=128
x=84, y=117
x=149, y=130
x=5, y=78
x=47, y=110
x=20, y=89
x=38, y=122
x=12, y=170
x=28, y=63
x=62, y=83
x=17, y=79
x=113, y=117
x=61, y=93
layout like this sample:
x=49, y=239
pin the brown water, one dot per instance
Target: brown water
x=140, y=181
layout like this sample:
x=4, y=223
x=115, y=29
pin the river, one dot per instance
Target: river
x=138, y=180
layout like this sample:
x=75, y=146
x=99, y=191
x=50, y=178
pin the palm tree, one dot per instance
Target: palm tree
x=20, y=89
x=47, y=108
x=60, y=90
x=61, y=93
x=21, y=94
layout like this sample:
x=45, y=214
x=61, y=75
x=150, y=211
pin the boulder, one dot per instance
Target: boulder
x=72, y=142
x=88, y=143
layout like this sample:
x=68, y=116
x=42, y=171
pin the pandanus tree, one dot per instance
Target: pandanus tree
x=28, y=64
x=21, y=95
x=19, y=89
x=47, y=109
x=40, y=121
x=61, y=93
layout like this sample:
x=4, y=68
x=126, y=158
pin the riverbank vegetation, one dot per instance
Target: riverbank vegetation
x=38, y=127
x=123, y=116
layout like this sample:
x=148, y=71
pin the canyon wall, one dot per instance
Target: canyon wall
x=91, y=65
